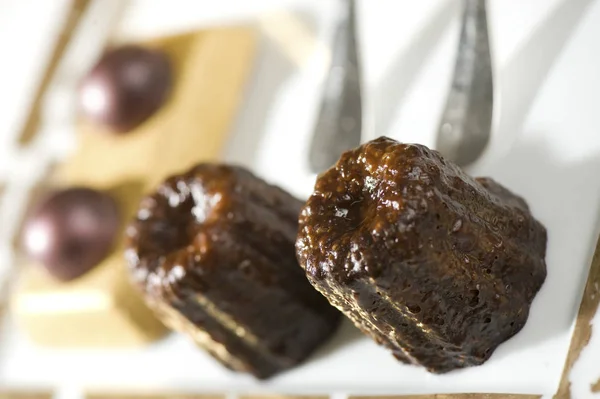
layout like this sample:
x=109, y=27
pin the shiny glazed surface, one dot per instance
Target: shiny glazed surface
x=437, y=266
x=71, y=231
x=126, y=87
x=213, y=251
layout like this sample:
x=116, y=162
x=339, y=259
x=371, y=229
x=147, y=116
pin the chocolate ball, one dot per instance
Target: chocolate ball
x=125, y=87
x=72, y=231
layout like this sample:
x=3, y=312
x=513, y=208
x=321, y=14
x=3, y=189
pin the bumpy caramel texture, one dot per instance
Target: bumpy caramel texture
x=213, y=251
x=437, y=266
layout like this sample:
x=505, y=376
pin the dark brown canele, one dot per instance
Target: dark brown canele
x=213, y=251
x=437, y=266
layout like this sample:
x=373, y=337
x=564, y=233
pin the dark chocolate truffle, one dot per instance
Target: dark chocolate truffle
x=437, y=266
x=72, y=231
x=213, y=252
x=126, y=87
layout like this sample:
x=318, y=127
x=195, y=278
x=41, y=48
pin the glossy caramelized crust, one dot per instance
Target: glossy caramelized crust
x=437, y=266
x=213, y=251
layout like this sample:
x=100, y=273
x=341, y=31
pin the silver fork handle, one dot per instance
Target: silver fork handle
x=339, y=123
x=465, y=126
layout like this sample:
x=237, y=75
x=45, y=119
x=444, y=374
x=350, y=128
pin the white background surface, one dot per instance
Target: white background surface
x=545, y=146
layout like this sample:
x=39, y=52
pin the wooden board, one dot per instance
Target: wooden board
x=210, y=70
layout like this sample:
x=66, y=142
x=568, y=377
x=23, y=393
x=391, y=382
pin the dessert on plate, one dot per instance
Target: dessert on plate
x=439, y=267
x=212, y=249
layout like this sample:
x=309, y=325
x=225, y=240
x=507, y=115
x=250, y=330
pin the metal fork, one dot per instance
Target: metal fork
x=466, y=123
x=339, y=124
